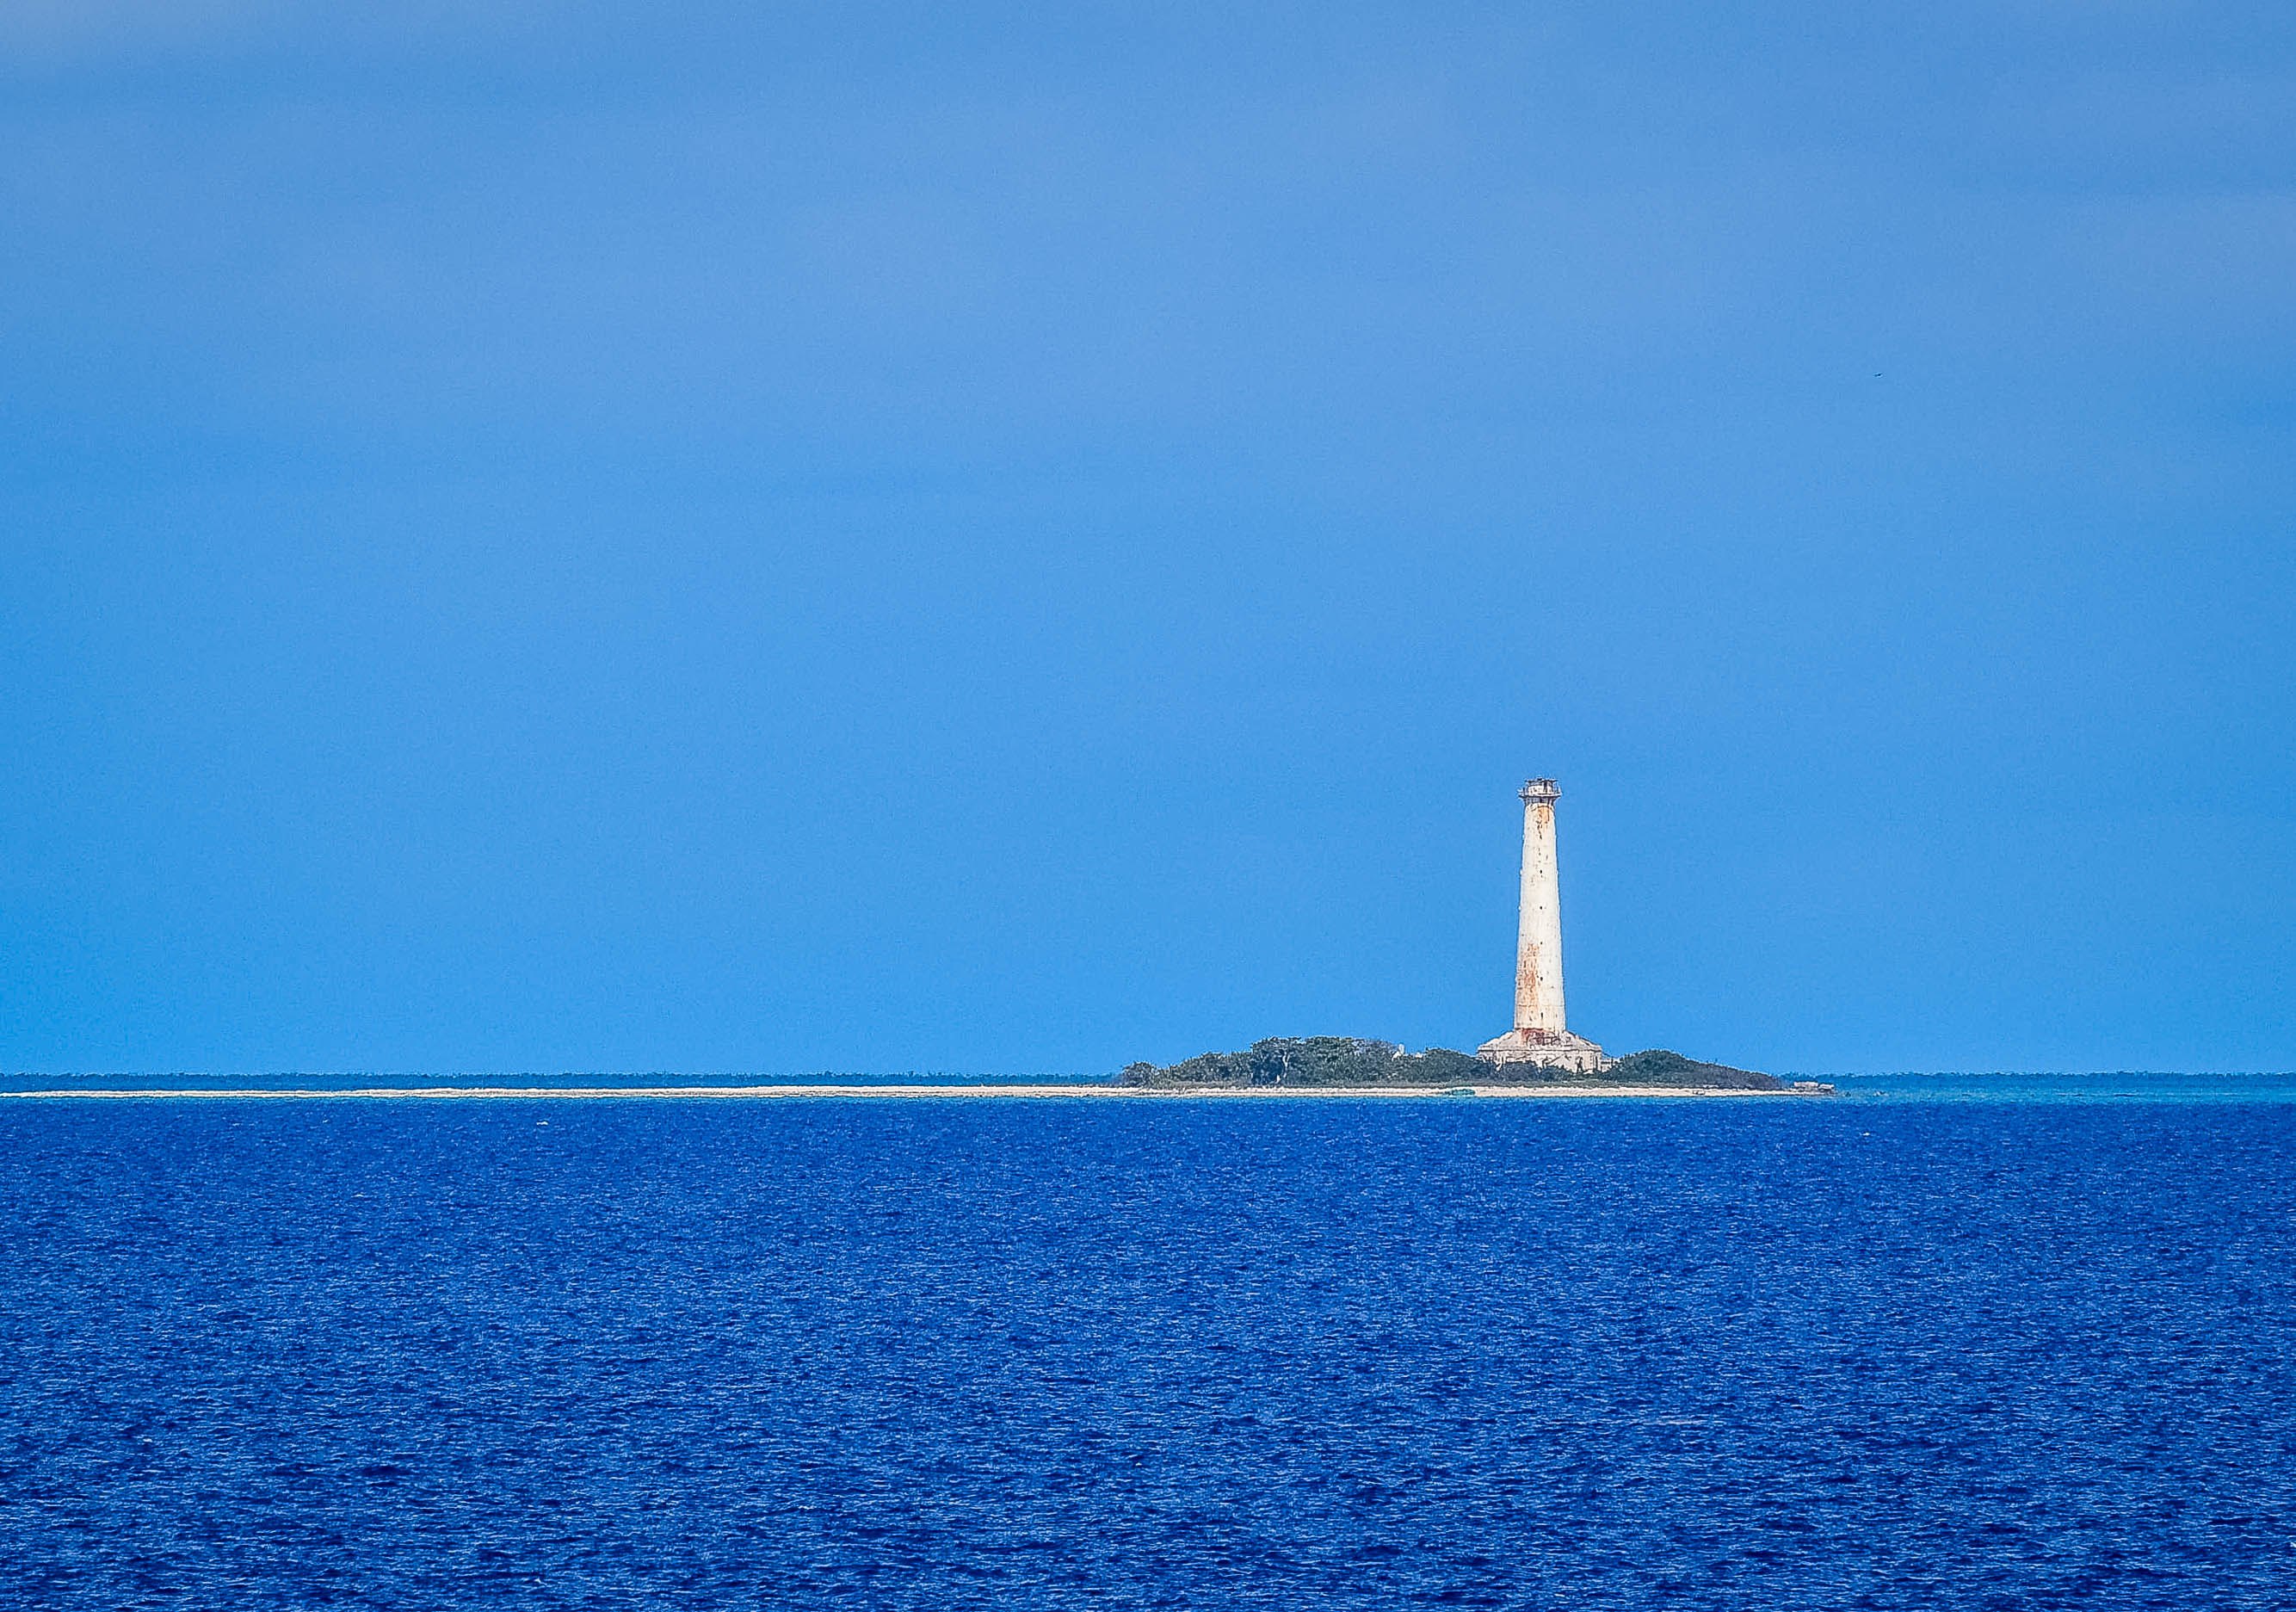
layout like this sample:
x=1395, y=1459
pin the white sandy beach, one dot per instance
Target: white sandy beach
x=446, y=1093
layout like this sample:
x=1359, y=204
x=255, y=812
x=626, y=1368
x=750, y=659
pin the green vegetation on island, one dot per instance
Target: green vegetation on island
x=1660, y=1067
x=1342, y=1060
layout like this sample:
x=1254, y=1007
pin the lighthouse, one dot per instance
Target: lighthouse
x=1539, y=1037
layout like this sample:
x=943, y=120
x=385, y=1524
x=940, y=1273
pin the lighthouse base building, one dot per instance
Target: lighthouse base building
x=1548, y=1048
x=1538, y=1038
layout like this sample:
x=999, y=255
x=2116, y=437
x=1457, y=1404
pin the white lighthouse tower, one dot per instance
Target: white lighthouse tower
x=1538, y=1036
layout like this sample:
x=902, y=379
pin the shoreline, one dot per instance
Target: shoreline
x=788, y=1092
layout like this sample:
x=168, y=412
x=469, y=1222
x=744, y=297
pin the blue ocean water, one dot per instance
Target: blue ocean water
x=1307, y=1352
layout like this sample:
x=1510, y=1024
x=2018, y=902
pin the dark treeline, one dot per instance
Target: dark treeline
x=1343, y=1060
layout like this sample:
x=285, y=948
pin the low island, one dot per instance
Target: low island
x=1352, y=1063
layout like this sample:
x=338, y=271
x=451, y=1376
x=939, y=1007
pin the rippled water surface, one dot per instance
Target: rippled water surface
x=1772, y=1354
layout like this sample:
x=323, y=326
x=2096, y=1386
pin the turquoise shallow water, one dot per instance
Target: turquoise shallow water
x=2119, y=1088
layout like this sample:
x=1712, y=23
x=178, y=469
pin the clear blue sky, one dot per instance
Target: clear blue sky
x=1016, y=537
